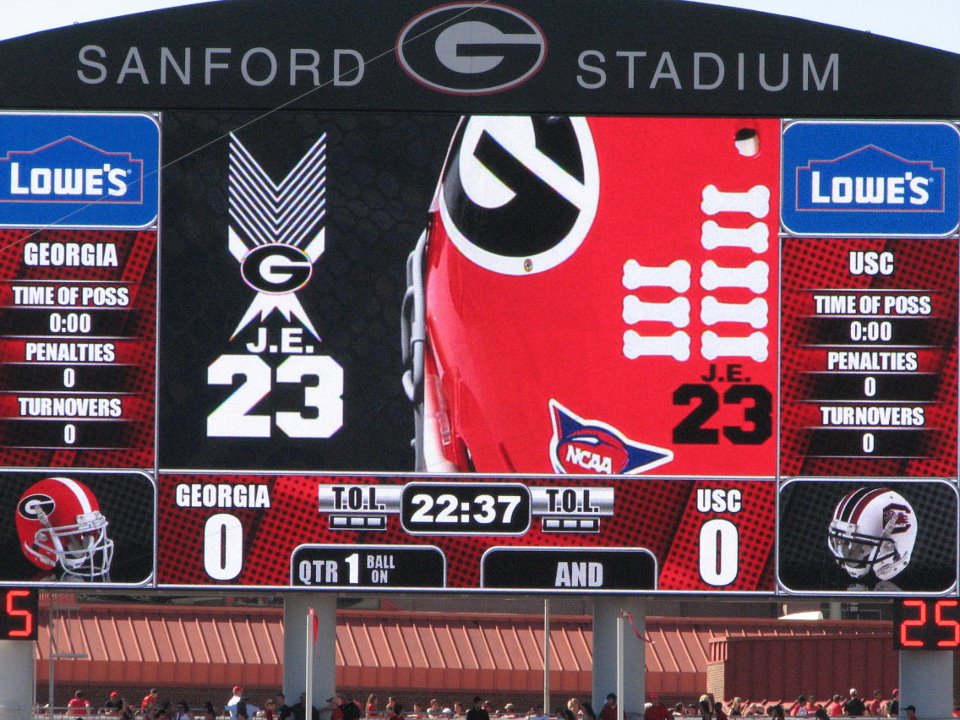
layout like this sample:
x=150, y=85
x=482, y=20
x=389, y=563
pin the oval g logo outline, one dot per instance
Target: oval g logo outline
x=466, y=48
x=276, y=269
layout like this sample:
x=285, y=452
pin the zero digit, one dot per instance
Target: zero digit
x=719, y=552
x=223, y=546
x=71, y=323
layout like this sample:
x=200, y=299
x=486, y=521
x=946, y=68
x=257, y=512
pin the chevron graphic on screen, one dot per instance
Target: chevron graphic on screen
x=882, y=178
x=78, y=170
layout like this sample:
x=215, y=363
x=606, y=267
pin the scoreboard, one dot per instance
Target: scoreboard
x=687, y=343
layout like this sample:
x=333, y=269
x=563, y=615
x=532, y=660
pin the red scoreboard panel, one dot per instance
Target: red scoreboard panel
x=496, y=533
x=693, y=331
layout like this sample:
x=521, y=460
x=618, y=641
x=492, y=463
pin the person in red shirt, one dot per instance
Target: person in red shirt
x=149, y=703
x=657, y=711
x=835, y=707
x=78, y=705
x=609, y=709
x=875, y=706
x=336, y=707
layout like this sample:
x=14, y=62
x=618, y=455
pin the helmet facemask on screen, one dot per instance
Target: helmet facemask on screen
x=872, y=529
x=61, y=528
x=82, y=549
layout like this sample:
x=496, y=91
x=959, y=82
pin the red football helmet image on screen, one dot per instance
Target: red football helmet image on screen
x=61, y=528
x=598, y=295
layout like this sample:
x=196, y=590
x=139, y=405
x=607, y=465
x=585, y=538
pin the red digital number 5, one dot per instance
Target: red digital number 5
x=947, y=623
x=13, y=611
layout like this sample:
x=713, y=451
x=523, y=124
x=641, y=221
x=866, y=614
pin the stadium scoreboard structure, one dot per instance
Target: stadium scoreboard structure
x=562, y=322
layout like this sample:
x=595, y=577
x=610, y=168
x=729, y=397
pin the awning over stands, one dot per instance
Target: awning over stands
x=201, y=647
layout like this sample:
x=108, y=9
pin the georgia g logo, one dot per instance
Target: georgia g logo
x=32, y=506
x=276, y=231
x=276, y=269
x=519, y=194
x=471, y=48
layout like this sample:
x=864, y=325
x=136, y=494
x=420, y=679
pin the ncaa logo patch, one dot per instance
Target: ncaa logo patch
x=591, y=446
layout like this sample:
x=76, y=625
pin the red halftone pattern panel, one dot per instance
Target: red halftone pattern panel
x=743, y=536
x=922, y=269
x=33, y=359
x=663, y=516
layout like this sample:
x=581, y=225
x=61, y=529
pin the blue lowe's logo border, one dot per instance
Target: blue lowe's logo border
x=79, y=170
x=876, y=179
x=870, y=179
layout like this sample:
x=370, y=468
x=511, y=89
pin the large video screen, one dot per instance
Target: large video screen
x=408, y=312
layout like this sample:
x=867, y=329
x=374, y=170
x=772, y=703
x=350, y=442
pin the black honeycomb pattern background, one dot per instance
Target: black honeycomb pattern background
x=380, y=175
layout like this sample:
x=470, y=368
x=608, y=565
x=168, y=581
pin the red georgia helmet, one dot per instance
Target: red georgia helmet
x=577, y=279
x=59, y=523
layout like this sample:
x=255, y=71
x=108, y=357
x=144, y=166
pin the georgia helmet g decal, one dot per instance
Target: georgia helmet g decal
x=520, y=193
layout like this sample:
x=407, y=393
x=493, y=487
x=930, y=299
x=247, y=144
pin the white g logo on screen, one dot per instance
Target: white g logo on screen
x=276, y=269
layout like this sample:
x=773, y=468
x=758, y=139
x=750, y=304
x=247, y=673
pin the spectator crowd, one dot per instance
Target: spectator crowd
x=343, y=706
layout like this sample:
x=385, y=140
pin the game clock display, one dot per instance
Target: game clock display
x=926, y=624
x=19, y=613
x=465, y=509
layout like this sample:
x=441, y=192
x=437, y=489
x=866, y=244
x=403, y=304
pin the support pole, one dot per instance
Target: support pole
x=323, y=673
x=17, y=679
x=608, y=639
x=620, y=651
x=546, y=657
x=926, y=682
x=311, y=637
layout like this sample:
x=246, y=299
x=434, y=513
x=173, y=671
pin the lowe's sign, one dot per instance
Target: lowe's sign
x=78, y=170
x=874, y=179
